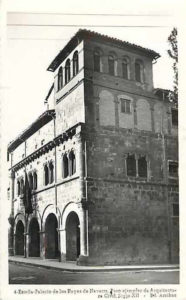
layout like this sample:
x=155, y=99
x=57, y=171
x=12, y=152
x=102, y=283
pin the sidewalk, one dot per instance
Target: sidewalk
x=72, y=267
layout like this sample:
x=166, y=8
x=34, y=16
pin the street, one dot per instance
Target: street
x=22, y=274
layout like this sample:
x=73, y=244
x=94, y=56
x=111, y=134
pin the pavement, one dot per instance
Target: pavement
x=73, y=267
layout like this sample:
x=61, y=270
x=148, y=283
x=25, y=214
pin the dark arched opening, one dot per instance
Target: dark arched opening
x=51, y=237
x=34, y=242
x=72, y=237
x=19, y=239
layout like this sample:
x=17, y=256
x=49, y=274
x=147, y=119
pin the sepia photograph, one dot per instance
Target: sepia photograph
x=92, y=152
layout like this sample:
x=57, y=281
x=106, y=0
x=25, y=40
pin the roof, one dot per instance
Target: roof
x=87, y=34
x=42, y=120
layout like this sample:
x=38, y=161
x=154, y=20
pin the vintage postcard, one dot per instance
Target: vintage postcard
x=92, y=150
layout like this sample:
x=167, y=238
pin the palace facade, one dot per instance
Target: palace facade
x=95, y=178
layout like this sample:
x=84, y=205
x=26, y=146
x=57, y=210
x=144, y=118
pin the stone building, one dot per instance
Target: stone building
x=95, y=179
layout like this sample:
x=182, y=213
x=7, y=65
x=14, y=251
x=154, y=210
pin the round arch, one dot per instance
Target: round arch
x=34, y=238
x=19, y=238
x=51, y=236
x=50, y=209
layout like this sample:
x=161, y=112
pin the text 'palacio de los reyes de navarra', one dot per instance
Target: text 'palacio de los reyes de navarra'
x=94, y=179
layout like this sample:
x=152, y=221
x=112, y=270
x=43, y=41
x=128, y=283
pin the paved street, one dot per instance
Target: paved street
x=19, y=274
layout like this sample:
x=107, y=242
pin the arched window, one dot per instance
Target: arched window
x=142, y=167
x=18, y=188
x=60, y=79
x=35, y=181
x=30, y=176
x=72, y=163
x=67, y=71
x=139, y=72
x=97, y=61
x=51, y=169
x=65, y=170
x=75, y=63
x=46, y=175
x=131, y=165
x=125, y=68
x=22, y=186
x=111, y=65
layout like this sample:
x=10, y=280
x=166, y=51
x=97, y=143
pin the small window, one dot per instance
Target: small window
x=131, y=165
x=72, y=163
x=175, y=209
x=142, y=167
x=174, y=117
x=67, y=71
x=18, y=188
x=111, y=64
x=65, y=166
x=75, y=63
x=125, y=69
x=125, y=106
x=97, y=61
x=35, y=181
x=173, y=169
x=51, y=169
x=30, y=176
x=60, y=79
x=22, y=186
x=46, y=175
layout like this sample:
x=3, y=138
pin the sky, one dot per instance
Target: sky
x=31, y=46
x=36, y=33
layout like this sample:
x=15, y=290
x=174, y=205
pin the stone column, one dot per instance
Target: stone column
x=83, y=258
x=62, y=244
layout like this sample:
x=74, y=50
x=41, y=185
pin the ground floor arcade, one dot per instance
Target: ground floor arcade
x=54, y=235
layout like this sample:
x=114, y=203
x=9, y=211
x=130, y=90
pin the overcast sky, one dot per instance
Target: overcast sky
x=35, y=36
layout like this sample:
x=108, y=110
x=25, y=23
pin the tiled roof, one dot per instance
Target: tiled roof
x=87, y=34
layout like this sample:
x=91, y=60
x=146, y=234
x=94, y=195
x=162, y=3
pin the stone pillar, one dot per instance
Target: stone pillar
x=62, y=244
x=83, y=258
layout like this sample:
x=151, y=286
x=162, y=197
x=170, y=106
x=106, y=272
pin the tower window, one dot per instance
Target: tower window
x=125, y=68
x=131, y=165
x=111, y=65
x=75, y=63
x=139, y=71
x=142, y=167
x=67, y=71
x=97, y=61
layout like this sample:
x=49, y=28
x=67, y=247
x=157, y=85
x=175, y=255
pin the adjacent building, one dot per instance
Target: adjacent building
x=94, y=179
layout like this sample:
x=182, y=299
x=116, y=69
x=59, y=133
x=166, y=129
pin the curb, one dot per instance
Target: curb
x=78, y=270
